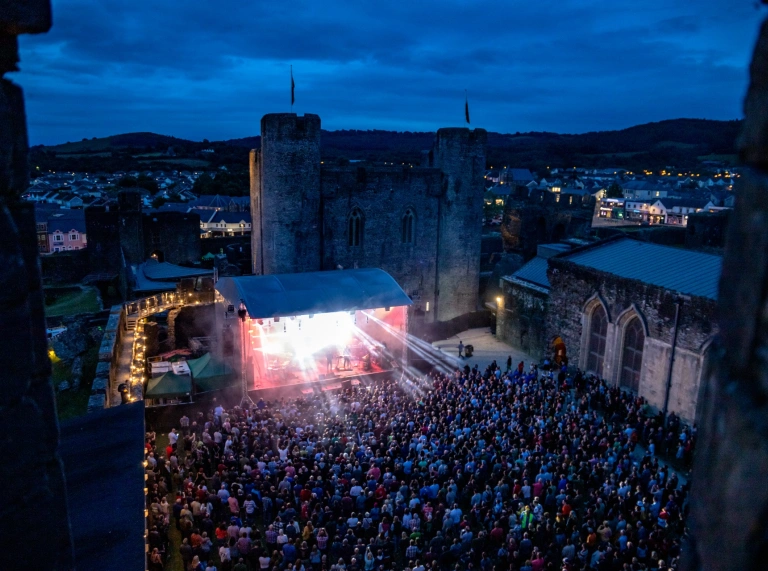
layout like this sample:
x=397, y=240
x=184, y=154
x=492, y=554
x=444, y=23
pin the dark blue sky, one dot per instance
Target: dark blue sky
x=211, y=68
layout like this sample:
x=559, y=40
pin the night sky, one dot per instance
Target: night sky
x=211, y=68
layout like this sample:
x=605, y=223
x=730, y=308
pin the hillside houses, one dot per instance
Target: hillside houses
x=61, y=200
x=645, y=198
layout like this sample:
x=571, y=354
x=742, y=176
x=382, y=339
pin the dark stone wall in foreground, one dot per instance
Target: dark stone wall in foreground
x=729, y=500
x=34, y=494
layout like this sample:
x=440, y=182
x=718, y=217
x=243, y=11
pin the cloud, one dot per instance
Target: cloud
x=202, y=69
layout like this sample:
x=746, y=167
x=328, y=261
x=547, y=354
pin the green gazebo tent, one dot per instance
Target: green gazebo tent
x=169, y=385
x=210, y=374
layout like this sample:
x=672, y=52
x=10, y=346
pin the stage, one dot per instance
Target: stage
x=313, y=332
x=292, y=373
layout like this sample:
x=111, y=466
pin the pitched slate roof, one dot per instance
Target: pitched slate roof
x=64, y=221
x=676, y=269
x=166, y=271
x=520, y=175
x=231, y=217
x=535, y=272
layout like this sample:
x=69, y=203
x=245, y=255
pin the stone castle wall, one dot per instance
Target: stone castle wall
x=175, y=234
x=521, y=319
x=574, y=292
x=383, y=194
x=301, y=213
x=288, y=196
x=460, y=155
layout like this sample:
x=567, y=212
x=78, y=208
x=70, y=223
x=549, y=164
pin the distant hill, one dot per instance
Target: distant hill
x=677, y=142
x=114, y=142
x=674, y=142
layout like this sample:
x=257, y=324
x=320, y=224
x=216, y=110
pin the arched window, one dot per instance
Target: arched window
x=355, y=228
x=407, y=227
x=598, y=327
x=632, y=356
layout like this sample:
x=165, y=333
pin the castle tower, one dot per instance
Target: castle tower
x=285, y=195
x=460, y=154
x=131, y=226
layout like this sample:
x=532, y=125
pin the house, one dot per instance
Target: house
x=638, y=210
x=611, y=208
x=516, y=176
x=65, y=231
x=676, y=210
x=642, y=189
x=498, y=193
x=223, y=223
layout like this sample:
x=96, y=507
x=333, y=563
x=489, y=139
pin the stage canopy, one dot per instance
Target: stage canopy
x=169, y=385
x=283, y=295
x=210, y=374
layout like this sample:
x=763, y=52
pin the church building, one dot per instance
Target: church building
x=640, y=315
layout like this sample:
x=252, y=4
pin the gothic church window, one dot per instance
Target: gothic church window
x=407, y=227
x=355, y=230
x=632, y=356
x=598, y=329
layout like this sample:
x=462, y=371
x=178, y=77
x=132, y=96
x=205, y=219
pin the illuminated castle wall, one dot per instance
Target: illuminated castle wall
x=421, y=224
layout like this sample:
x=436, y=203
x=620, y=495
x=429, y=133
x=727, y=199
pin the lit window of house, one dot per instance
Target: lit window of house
x=73, y=237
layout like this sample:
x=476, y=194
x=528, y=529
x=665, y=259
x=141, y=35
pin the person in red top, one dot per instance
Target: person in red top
x=497, y=533
x=566, y=509
x=538, y=488
x=380, y=492
x=374, y=472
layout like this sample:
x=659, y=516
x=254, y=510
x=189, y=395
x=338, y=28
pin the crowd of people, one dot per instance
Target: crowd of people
x=514, y=469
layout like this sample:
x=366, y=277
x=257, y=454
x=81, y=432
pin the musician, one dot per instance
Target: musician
x=347, y=357
x=329, y=354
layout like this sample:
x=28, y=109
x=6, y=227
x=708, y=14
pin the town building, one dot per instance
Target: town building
x=59, y=230
x=223, y=223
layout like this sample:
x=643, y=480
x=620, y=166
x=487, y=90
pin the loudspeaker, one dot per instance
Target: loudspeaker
x=346, y=384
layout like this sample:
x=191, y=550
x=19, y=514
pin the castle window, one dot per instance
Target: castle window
x=407, y=227
x=355, y=228
x=598, y=329
x=632, y=357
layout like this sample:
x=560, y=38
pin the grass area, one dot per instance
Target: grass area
x=71, y=404
x=730, y=159
x=615, y=155
x=675, y=145
x=173, y=161
x=81, y=155
x=84, y=301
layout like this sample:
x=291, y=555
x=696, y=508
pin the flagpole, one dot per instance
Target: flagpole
x=291, y=88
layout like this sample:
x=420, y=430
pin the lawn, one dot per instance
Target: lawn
x=174, y=161
x=71, y=404
x=84, y=301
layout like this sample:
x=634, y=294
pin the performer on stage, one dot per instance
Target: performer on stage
x=347, y=356
x=329, y=360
